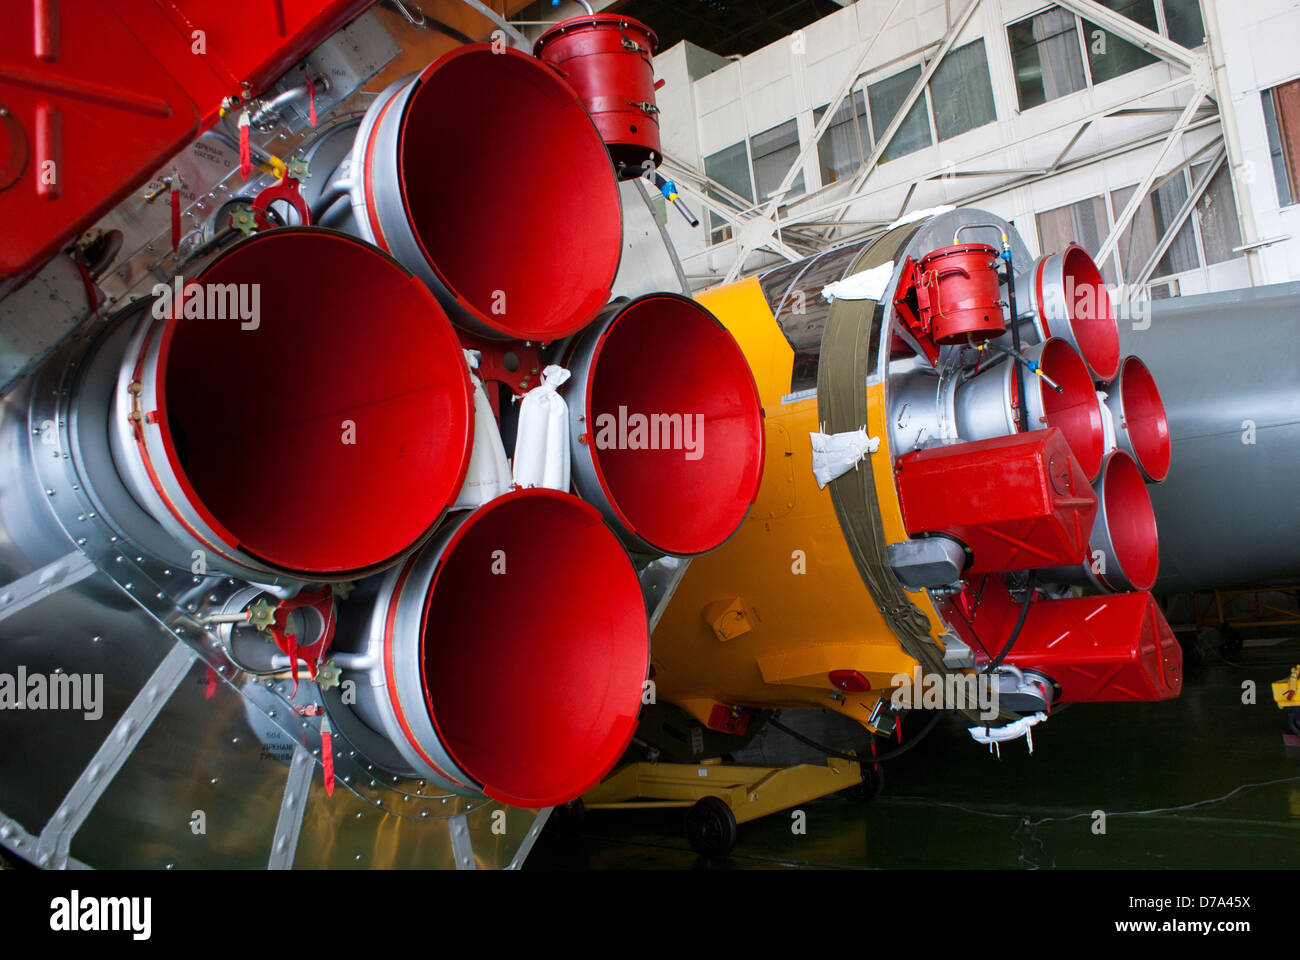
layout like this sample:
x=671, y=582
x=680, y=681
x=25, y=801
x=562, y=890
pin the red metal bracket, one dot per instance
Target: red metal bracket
x=320, y=599
x=286, y=189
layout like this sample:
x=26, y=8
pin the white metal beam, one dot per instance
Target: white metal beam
x=1237, y=166
x=811, y=214
x=1134, y=32
x=1175, y=225
x=918, y=88
x=1175, y=135
x=1034, y=177
x=824, y=124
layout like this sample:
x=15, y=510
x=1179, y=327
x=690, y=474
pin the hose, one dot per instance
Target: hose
x=1015, y=631
x=879, y=758
x=665, y=186
x=1023, y=413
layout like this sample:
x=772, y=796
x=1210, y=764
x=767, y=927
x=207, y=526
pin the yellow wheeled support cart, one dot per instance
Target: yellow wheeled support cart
x=719, y=796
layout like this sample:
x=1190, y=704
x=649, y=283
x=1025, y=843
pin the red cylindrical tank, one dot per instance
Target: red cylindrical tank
x=964, y=293
x=607, y=59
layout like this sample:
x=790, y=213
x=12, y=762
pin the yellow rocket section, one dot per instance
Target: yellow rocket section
x=764, y=619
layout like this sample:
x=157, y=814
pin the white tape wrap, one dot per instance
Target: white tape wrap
x=489, y=470
x=836, y=454
x=867, y=285
x=994, y=736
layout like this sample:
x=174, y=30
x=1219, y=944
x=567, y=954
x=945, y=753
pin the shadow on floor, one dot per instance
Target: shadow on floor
x=949, y=803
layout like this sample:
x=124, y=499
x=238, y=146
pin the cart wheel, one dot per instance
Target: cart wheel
x=711, y=827
x=871, y=785
x=1231, y=639
x=566, y=819
x=1293, y=719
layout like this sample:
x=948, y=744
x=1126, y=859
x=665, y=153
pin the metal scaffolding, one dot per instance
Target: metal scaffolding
x=815, y=227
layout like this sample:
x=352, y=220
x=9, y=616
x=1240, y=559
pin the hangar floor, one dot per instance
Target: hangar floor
x=1199, y=782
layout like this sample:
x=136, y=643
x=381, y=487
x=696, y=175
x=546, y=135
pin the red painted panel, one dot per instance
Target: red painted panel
x=1018, y=502
x=1117, y=647
x=96, y=95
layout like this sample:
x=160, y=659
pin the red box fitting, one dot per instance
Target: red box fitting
x=1017, y=502
x=1118, y=647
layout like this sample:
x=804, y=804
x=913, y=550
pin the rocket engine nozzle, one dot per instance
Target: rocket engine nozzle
x=667, y=427
x=1124, y=545
x=1067, y=298
x=517, y=227
x=985, y=406
x=1141, y=426
x=508, y=656
x=266, y=416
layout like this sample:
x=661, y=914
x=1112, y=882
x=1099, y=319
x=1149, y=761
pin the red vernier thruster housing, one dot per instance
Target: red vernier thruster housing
x=953, y=294
x=608, y=60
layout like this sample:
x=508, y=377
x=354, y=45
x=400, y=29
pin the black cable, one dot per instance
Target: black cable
x=1023, y=413
x=879, y=758
x=1015, y=631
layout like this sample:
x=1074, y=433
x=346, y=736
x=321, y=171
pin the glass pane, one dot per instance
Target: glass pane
x=1083, y=223
x=1183, y=18
x=885, y=97
x=730, y=167
x=1217, y=208
x=1275, y=149
x=960, y=91
x=774, y=151
x=1282, y=121
x=1108, y=55
x=1149, y=226
x=1045, y=55
x=846, y=142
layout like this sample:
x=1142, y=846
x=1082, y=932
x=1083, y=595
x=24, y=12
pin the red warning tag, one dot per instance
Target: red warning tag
x=174, y=196
x=245, y=154
x=327, y=753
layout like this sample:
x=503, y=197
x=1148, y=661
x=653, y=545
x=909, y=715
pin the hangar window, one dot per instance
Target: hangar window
x=1149, y=225
x=1048, y=50
x=1183, y=22
x=885, y=97
x=846, y=142
x=773, y=151
x=1084, y=222
x=1046, y=58
x=1207, y=237
x=960, y=92
x=1282, y=120
x=1110, y=56
x=730, y=168
x=1216, y=214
